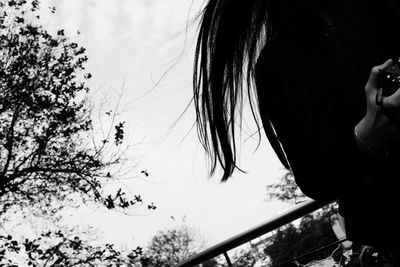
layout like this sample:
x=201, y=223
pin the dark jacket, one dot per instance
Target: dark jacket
x=312, y=91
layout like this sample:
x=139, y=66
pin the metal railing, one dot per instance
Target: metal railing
x=222, y=248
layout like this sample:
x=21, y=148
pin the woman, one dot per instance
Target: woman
x=306, y=67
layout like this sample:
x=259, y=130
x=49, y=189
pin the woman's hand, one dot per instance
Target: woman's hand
x=375, y=131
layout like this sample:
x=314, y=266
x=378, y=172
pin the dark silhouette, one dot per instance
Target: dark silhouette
x=306, y=67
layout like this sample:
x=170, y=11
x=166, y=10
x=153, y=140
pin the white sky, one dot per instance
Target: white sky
x=133, y=42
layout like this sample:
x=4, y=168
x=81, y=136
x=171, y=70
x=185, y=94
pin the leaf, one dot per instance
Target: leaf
x=151, y=207
x=19, y=20
x=119, y=133
x=12, y=3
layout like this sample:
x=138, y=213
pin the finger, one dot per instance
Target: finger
x=395, y=97
x=372, y=83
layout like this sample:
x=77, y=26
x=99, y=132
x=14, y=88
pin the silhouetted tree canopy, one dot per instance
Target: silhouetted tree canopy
x=170, y=247
x=49, y=151
x=313, y=232
x=57, y=248
x=292, y=241
x=286, y=190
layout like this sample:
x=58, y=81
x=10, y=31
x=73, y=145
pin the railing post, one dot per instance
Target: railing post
x=228, y=260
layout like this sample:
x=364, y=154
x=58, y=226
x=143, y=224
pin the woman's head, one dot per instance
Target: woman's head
x=231, y=35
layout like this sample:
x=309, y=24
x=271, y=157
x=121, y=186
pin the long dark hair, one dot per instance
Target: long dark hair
x=228, y=42
x=231, y=35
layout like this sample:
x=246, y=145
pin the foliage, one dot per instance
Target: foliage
x=48, y=152
x=252, y=256
x=210, y=263
x=313, y=232
x=51, y=154
x=291, y=241
x=286, y=190
x=56, y=248
x=169, y=247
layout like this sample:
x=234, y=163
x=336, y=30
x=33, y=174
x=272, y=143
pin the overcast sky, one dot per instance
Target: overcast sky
x=131, y=44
